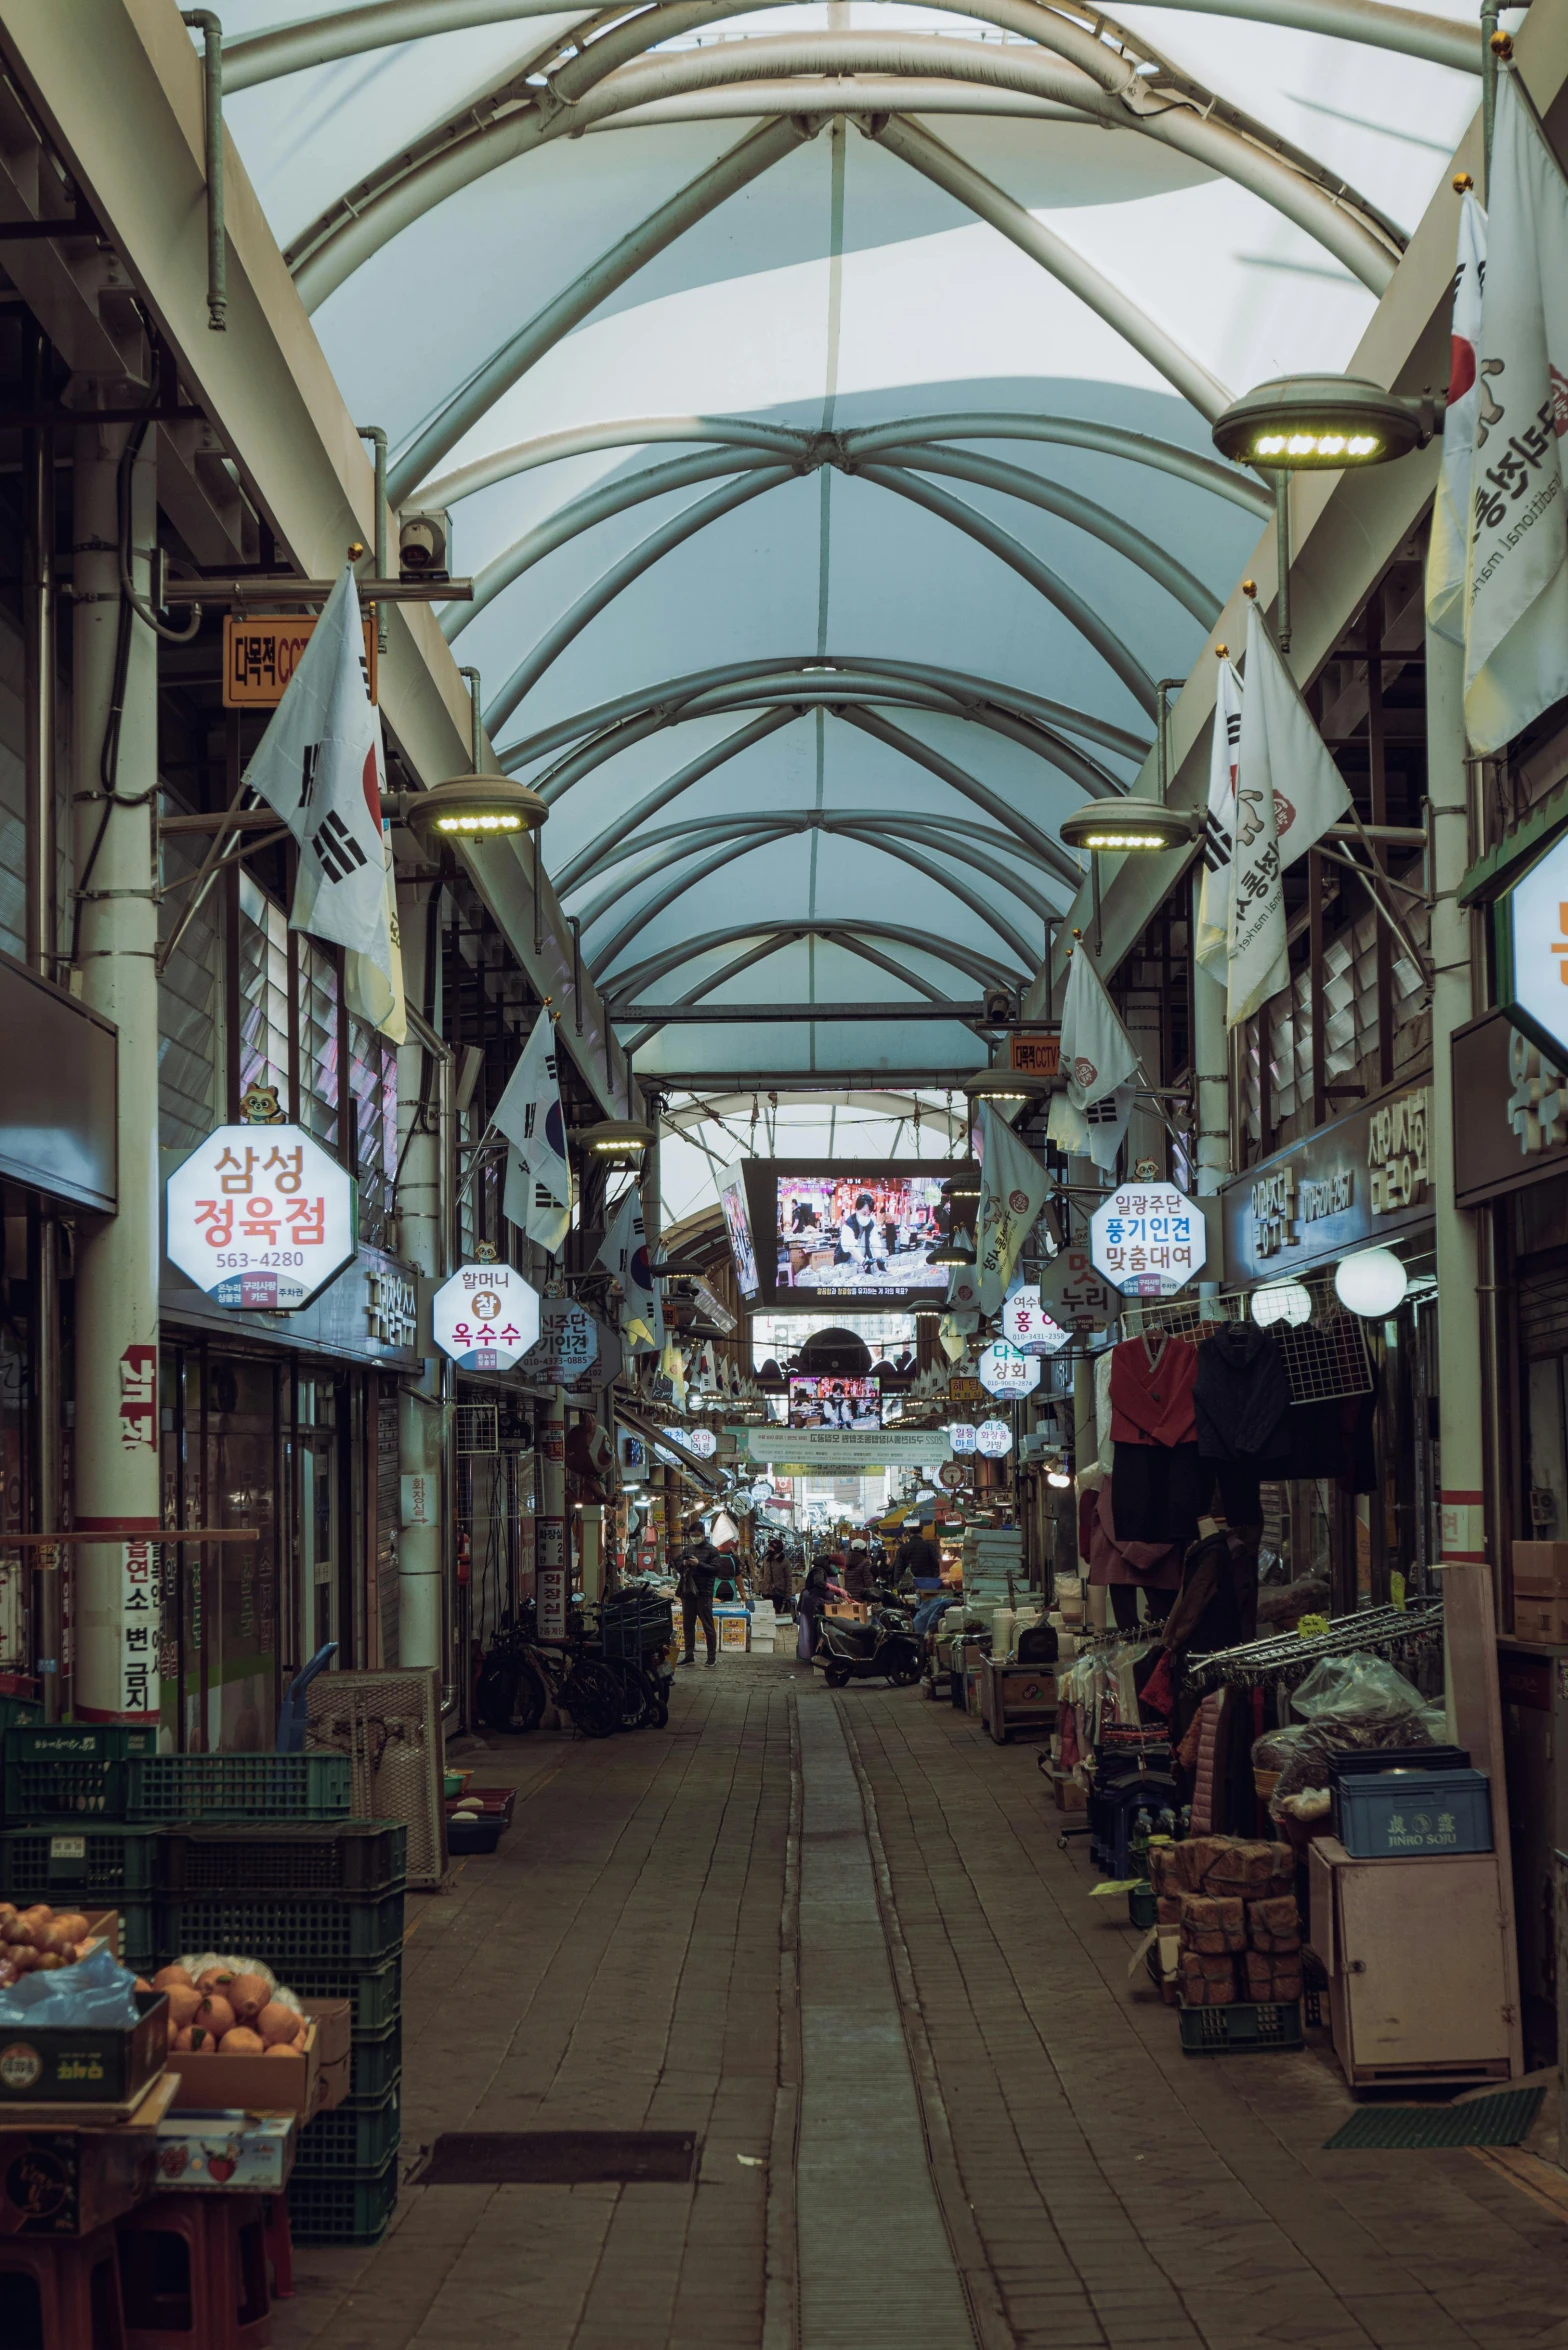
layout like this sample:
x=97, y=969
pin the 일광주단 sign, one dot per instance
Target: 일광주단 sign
x=1148, y=1239
x=485, y=1317
x=261, y=1217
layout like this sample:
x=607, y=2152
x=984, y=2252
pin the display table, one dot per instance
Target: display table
x=1017, y=1697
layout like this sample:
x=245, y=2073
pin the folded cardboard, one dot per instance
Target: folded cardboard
x=1541, y=1570
x=1544, y=1621
x=233, y=2151
x=98, y=2065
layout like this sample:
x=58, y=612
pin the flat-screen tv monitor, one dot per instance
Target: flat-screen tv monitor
x=834, y=1402
x=737, y=1223
x=845, y=1231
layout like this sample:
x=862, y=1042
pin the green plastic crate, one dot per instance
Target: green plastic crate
x=284, y=1933
x=362, y=2134
x=1143, y=1907
x=375, y=2063
x=360, y=1858
x=259, y=1787
x=335, y=2207
x=376, y=1992
x=67, y=1770
x=1246, y=2027
x=18, y=1713
x=99, y=1863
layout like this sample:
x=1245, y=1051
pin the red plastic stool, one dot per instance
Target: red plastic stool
x=280, y=2246
x=193, y=2274
x=60, y=2293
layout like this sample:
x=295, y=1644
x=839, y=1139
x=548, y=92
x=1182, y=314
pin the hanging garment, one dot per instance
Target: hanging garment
x=1241, y=1397
x=1151, y=1391
x=1154, y=1566
x=1102, y=1408
x=1158, y=1492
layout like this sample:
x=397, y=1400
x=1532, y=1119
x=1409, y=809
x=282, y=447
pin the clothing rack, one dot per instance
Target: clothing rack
x=1326, y=1359
x=1382, y=1631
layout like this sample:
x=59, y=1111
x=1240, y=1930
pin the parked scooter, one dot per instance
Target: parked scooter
x=883, y=1648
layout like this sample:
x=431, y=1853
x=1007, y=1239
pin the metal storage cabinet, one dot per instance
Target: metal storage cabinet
x=1416, y=1954
x=1533, y=1686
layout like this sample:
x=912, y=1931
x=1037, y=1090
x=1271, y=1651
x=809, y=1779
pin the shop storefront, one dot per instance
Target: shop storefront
x=285, y=1424
x=1360, y=1511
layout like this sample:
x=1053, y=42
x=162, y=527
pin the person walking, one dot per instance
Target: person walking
x=700, y=1570
x=775, y=1576
x=815, y=1593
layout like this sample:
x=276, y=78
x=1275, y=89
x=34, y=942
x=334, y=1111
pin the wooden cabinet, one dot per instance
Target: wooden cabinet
x=1416, y=1955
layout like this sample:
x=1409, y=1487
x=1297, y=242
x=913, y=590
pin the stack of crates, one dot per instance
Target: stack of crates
x=323, y=1908
x=250, y=1854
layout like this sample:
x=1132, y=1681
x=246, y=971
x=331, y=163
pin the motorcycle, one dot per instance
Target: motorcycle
x=883, y=1648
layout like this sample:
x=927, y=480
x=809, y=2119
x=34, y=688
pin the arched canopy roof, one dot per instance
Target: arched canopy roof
x=820, y=394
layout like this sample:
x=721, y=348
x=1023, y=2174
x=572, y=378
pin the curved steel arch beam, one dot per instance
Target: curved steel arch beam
x=659, y=965
x=958, y=888
x=696, y=832
x=736, y=169
x=1043, y=741
x=1106, y=440
x=663, y=899
x=589, y=860
x=620, y=575
x=1028, y=565
x=249, y=59
x=593, y=507
x=634, y=432
x=661, y=703
x=960, y=780
x=1086, y=514
x=732, y=970
x=988, y=202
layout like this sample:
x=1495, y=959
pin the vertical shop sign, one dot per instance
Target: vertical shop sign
x=138, y=1398
x=550, y=1576
x=139, y=1587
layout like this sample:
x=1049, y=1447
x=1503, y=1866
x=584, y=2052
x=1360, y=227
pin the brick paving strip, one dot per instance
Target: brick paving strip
x=836, y=1938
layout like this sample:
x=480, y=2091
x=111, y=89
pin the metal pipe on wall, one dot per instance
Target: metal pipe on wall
x=115, y=757
x=423, y=1208
x=38, y=674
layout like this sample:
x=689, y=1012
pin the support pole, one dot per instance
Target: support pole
x=203, y=21
x=38, y=664
x=117, y=1266
x=1211, y=1065
x=423, y=1078
x=553, y=1579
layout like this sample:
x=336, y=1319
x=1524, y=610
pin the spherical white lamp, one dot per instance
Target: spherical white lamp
x=1371, y=1284
x=1281, y=1301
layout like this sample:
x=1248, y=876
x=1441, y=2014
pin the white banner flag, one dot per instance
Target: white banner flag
x=1448, y=548
x=319, y=765
x=1014, y=1187
x=1096, y=1053
x=1288, y=792
x=376, y=995
x=1516, y=630
x=624, y=1251
x=529, y=1114
x=1209, y=944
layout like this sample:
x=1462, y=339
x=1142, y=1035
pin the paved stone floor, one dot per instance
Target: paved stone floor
x=836, y=1937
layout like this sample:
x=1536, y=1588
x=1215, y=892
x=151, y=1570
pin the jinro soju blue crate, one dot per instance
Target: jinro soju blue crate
x=1393, y=1815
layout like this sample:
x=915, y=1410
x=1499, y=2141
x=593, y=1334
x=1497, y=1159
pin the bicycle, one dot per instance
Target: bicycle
x=520, y=1675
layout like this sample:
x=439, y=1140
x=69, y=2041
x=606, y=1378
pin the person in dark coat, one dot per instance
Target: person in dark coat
x=700, y=1571
x=815, y=1593
x=859, y=1575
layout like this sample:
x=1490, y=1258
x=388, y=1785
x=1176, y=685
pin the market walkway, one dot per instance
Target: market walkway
x=835, y=1938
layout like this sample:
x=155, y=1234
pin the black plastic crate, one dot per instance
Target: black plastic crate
x=361, y=1858
x=100, y=1862
x=376, y=1993
x=336, y=2207
x=360, y=2135
x=287, y=1934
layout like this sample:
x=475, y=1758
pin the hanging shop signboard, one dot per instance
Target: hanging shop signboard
x=952, y=1475
x=486, y=1317
x=1365, y=1178
x=1075, y=1295
x=961, y=1436
x=808, y=1452
x=261, y=652
x=1008, y=1374
x=1037, y=1052
x=700, y=1441
x=568, y=1344
x=1148, y=1239
x=1531, y=930
x=1028, y=1324
x=993, y=1438
x=1510, y=1110
x=261, y=1217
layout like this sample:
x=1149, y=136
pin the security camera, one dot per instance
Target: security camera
x=424, y=545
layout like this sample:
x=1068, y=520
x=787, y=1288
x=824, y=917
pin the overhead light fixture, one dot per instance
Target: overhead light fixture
x=959, y=1187
x=1124, y=827
x=472, y=807
x=1003, y=1086
x=952, y=1251
x=1304, y=423
x=616, y=1142
x=928, y=1313
x=1372, y=1283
